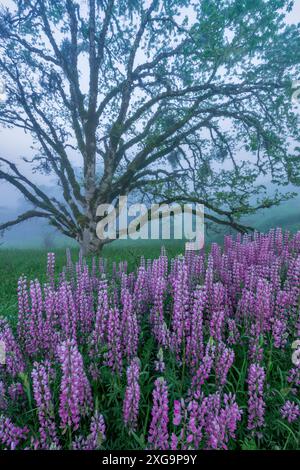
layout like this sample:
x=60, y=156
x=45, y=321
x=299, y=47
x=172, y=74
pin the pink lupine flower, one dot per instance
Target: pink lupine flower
x=129, y=326
x=224, y=360
x=203, y=372
x=195, y=347
x=51, y=268
x=158, y=432
x=14, y=360
x=256, y=404
x=11, y=435
x=114, y=358
x=45, y=409
x=132, y=395
x=180, y=316
x=177, y=413
x=96, y=437
x=75, y=391
x=290, y=411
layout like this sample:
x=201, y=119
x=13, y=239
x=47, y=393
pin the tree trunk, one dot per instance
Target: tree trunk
x=90, y=243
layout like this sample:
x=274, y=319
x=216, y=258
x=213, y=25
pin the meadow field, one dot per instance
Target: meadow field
x=153, y=348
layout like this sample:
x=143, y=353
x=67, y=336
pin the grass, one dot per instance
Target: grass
x=32, y=263
x=280, y=435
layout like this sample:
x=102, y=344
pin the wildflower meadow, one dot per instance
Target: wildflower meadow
x=191, y=352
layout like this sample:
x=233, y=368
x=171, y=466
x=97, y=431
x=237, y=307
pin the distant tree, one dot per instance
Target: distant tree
x=156, y=97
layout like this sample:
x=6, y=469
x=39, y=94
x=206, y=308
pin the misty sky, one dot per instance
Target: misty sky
x=15, y=144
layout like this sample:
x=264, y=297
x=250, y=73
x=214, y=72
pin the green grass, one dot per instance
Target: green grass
x=32, y=263
x=280, y=435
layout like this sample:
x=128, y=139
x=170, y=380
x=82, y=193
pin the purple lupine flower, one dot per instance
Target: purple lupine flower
x=32, y=334
x=67, y=311
x=158, y=432
x=224, y=360
x=174, y=442
x=101, y=314
x=45, y=409
x=99, y=335
x=159, y=327
x=51, y=336
x=132, y=395
x=84, y=302
x=15, y=391
x=10, y=434
x=224, y=424
x=177, y=413
x=140, y=294
x=195, y=347
x=96, y=437
x=75, y=391
x=256, y=404
x=280, y=335
x=129, y=326
x=51, y=268
x=216, y=324
x=97, y=432
x=255, y=342
x=290, y=411
x=3, y=399
x=114, y=358
x=293, y=379
x=263, y=309
x=14, y=361
x=203, y=372
x=233, y=332
x=23, y=307
x=180, y=317
x=196, y=423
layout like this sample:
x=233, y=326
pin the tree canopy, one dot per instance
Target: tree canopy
x=175, y=100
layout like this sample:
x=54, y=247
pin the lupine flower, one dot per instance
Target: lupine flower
x=45, y=409
x=114, y=342
x=15, y=391
x=177, y=413
x=23, y=307
x=159, y=327
x=67, y=311
x=180, y=317
x=51, y=268
x=158, y=432
x=101, y=314
x=11, y=435
x=129, y=325
x=256, y=404
x=132, y=395
x=224, y=424
x=290, y=411
x=97, y=432
x=279, y=330
x=14, y=361
x=224, y=360
x=203, y=372
x=249, y=292
x=174, y=442
x=293, y=379
x=75, y=391
x=3, y=401
x=233, y=332
x=195, y=347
